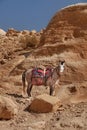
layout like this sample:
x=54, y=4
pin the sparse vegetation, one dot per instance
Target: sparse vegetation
x=29, y=41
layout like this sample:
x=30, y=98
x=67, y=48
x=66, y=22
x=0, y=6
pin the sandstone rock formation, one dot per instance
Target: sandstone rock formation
x=16, y=43
x=66, y=25
x=8, y=108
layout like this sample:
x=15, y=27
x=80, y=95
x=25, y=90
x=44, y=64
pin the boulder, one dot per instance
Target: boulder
x=8, y=108
x=44, y=103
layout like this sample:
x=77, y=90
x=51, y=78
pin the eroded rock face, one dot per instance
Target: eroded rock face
x=67, y=24
x=66, y=33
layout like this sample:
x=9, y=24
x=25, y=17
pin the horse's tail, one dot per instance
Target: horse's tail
x=23, y=79
x=24, y=83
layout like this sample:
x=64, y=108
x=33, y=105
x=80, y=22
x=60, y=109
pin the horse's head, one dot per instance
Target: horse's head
x=61, y=65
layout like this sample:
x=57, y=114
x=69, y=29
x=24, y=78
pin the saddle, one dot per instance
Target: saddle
x=39, y=72
x=40, y=76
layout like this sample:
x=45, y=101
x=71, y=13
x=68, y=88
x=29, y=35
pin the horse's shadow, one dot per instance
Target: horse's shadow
x=14, y=95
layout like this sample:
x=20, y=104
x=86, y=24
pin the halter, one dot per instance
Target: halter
x=61, y=65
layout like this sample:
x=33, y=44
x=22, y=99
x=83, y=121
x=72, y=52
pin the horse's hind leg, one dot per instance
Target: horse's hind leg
x=29, y=88
x=24, y=94
x=24, y=84
x=51, y=90
x=24, y=90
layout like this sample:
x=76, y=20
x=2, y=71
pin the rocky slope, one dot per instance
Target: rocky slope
x=64, y=38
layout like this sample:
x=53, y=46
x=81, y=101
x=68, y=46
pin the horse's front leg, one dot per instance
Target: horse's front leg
x=29, y=88
x=51, y=90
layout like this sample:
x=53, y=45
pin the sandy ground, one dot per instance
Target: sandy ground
x=70, y=117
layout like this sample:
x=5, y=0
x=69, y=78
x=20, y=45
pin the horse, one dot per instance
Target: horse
x=38, y=76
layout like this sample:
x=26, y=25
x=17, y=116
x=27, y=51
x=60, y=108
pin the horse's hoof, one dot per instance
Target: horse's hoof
x=29, y=98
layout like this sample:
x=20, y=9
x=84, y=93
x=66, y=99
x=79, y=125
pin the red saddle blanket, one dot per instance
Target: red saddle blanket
x=39, y=75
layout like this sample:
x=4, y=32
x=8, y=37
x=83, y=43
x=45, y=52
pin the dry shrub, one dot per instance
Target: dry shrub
x=29, y=41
